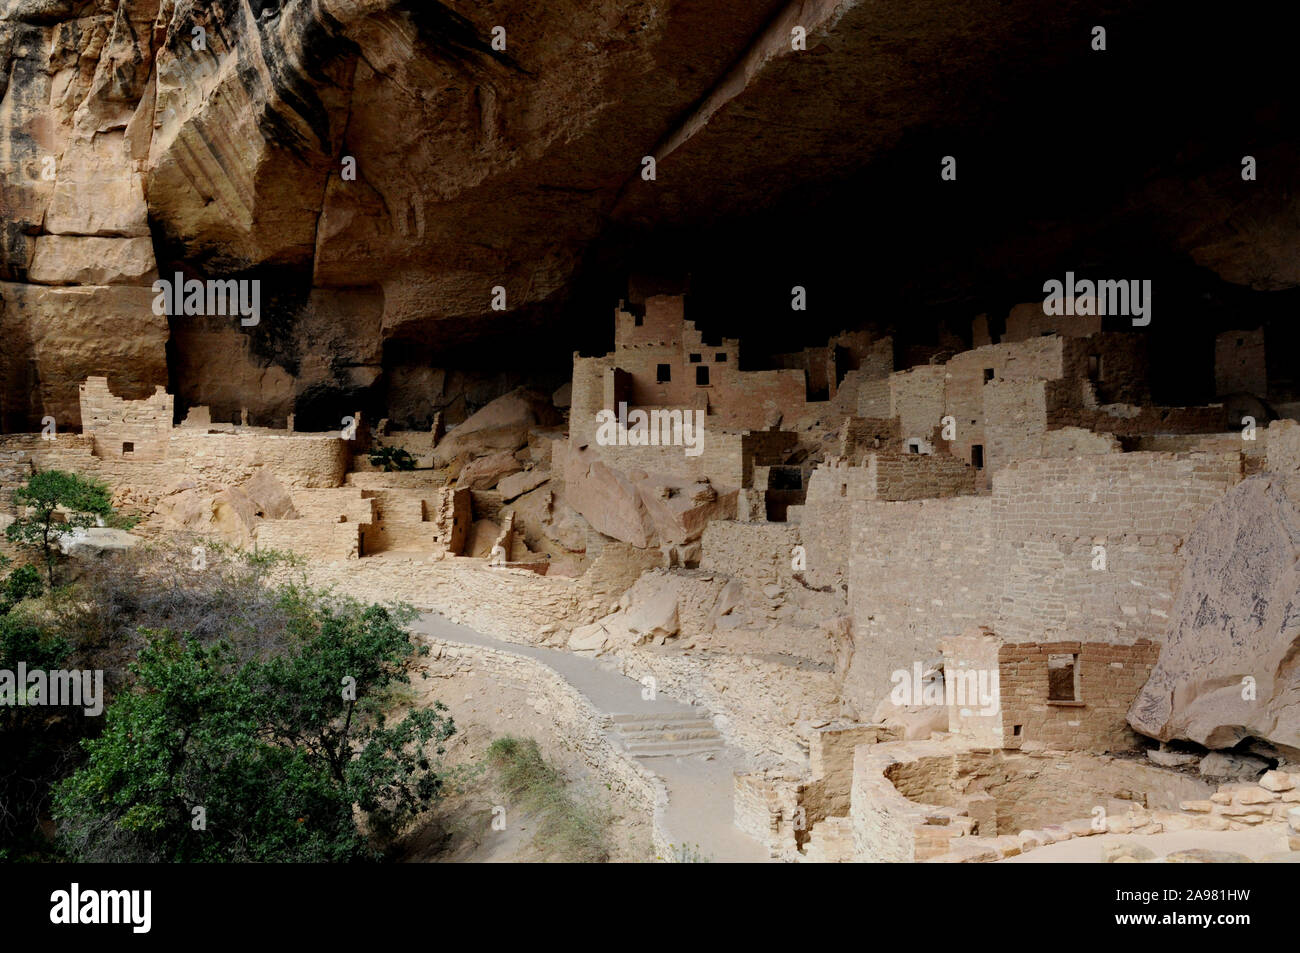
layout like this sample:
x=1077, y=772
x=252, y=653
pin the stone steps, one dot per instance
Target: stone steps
x=666, y=734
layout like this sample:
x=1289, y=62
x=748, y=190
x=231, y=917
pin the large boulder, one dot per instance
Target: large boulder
x=501, y=426
x=484, y=473
x=1230, y=666
x=644, y=509
x=232, y=513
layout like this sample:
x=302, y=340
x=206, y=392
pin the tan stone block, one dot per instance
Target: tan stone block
x=1008, y=845
x=1119, y=825
x=1199, y=807
x=1221, y=797
x=1256, y=796
x=1030, y=840
x=1081, y=827
x=1277, y=781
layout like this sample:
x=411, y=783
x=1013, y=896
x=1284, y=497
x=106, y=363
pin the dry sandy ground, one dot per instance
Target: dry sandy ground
x=461, y=830
x=1255, y=844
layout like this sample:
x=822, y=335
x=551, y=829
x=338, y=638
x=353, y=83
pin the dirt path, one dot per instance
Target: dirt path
x=699, y=786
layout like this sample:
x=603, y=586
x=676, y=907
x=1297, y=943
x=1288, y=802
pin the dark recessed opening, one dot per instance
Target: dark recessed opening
x=695, y=358
x=128, y=447
x=977, y=456
x=988, y=374
x=1063, y=678
x=663, y=373
x=720, y=357
x=702, y=376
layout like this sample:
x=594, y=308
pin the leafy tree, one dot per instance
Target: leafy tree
x=392, y=458
x=44, y=496
x=36, y=749
x=23, y=583
x=277, y=751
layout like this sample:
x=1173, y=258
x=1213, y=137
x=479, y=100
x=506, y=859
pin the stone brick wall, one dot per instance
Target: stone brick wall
x=133, y=429
x=909, y=476
x=348, y=503
x=874, y=398
x=918, y=571
x=1027, y=321
x=766, y=807
x=1240, y=364
x=1020, y=562
x=859, y=435
x=1077, y=442
x=1133, y=420
x=420, y=520
x=297, y=460
x=973, y=651
x=1048, y=514
x=314, y=539
x=1108, y=677
x=1015, y=414
x=1038, y=358
x=1116, y=362
x=916, y=398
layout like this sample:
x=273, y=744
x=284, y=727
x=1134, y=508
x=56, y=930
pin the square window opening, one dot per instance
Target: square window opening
x=664, y=373
x=720, y=357
x=695, y=358
x=1063, y=678
x=988, y=374
x=127, y=447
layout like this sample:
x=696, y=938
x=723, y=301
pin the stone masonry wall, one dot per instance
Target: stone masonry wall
x=116, y=424
x=305, y=460
x=1108, y=677
x=1240, y=363
x=1048, y=514
x=313, y=539
x=918, y=572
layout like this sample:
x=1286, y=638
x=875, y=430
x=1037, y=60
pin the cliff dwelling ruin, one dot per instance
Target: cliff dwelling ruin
x=787, y=465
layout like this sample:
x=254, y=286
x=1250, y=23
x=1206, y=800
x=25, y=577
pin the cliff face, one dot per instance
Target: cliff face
x=219, y=138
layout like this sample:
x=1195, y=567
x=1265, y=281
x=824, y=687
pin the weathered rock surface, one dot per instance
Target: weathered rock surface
x=90, y=260
x=480, y=169
x=1230, y=666
x=502, y=426
x=56, y=337
x=640, y=508
x=484, y=473
x=231, y=514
